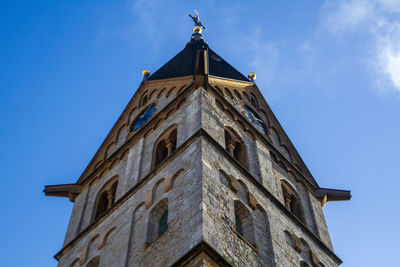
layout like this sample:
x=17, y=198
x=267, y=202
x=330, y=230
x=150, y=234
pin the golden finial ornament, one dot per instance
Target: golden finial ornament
x=252, y=76
x=197, y=29
x=145, y=73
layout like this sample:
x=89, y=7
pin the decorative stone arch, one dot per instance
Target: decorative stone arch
x=243, y=191
x=230, y=114
x=264, y=235
x=289, y=238
x=105, y=170
x=219, y=90
x=152, y=94
x=75, y=263
x=181, y=89
x=124, y=154
x=253, y=100
x=115, y=163
x=244, y=222
x=161, y=92
x=219, y=105
x=131, y=114
x=94, y=262
x=88, y=249
x=158, y=123
x=170, y=91
x=228, y=92
x=286, y=152
x=246, y=96
x=105, y=197
x=274, y=137
x=298, y=167
x=157, y=214
x=143, y=98
x=158, y=190
x=278, y=162
x=305, y=250
x=241, y=125
x=292, y=175
x=104, y=237
x=136, y=217
x=172, y=111
x=228, y=181
x=98, y=163
x=170, y=181
x=181, y=103
x=235, y=146
x=109, y=150
x=237, y=94
x=291, y=199
x=165, y=145
x=121, y=136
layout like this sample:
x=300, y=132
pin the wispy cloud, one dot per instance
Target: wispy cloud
x=380, y=21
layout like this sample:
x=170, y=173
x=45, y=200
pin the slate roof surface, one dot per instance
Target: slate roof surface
x=183, y=64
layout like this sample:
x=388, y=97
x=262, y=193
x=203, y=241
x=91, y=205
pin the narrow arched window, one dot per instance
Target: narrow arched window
x=163, y=224
x=234, y=146
x=244, y=222
x=102, y=204
x=106, y=198
x=158, y=221
x=291, y=200
x=165, y=145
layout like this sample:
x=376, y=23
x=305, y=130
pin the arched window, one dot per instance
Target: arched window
x=95, y=262
x=234, y=146
x=244, y=222
x=106, y=198
x=103, y=204
x=158, y=221
x=165, y=145
x=291, y=200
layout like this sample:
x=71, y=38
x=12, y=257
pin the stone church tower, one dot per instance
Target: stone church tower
x=197, y=171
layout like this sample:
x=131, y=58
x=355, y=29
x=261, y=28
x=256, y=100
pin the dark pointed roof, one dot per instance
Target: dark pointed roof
x=184, y=64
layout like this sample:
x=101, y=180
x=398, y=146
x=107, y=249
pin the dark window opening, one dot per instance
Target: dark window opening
x=239, y=228
x=163, y=225
x=165, y=147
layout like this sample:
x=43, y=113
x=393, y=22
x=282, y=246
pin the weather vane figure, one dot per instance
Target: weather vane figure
x=197, y=20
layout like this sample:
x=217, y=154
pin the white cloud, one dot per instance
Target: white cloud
x=393, y=67
x=380, y=20
x=345, y=15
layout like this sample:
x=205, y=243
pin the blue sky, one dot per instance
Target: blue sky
x=330, y=71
